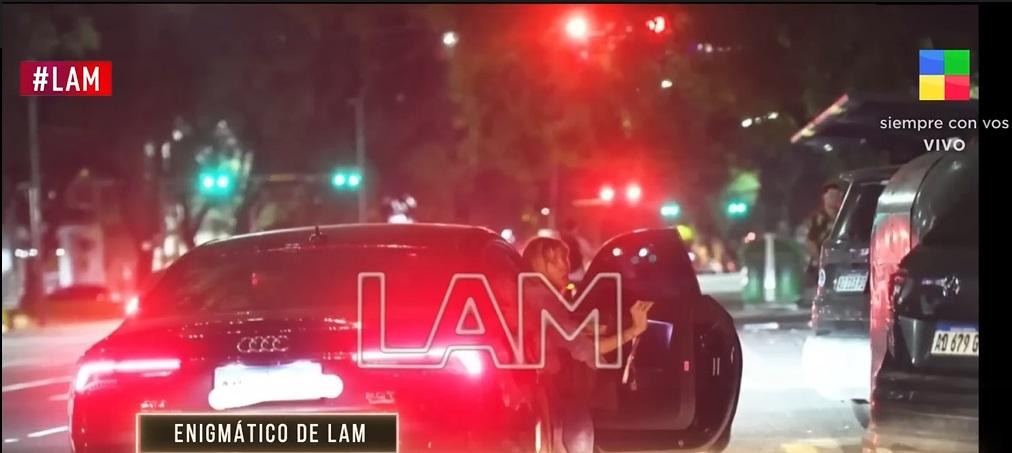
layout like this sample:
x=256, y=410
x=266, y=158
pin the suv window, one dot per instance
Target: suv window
x=854, y=223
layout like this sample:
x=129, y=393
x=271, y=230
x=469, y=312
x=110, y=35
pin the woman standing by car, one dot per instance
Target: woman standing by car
x=569, y=372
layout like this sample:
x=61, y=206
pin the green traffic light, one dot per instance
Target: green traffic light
x=216, y=184
x=737, y=208
x=671, y=210
x=346, y=178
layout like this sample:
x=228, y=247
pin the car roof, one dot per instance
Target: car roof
x=380, y=234
x=869, y=174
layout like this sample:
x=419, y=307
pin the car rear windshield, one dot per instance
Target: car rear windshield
x=858, y=212
x=301, y=278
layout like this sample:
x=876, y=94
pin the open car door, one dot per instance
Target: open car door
x=679, y=381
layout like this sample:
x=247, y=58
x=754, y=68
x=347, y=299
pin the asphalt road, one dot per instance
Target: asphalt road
x=795, y=397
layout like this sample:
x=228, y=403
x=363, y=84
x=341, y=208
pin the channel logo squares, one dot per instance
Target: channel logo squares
x=945, y=75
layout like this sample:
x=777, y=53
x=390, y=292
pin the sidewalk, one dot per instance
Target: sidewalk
x=761, y=313
x=23, y=326
x=770, y=313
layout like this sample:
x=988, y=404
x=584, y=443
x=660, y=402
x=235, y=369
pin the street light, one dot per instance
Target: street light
x=450, y=39
x=578, y=28
x=658, y=24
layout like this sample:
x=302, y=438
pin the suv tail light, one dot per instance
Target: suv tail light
x=90, y=372
x=897, y=284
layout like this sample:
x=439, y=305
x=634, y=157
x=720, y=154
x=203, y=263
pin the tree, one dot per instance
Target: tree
x=528, y=97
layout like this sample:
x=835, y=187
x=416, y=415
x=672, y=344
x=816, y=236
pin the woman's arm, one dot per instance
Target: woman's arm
x=639, y=325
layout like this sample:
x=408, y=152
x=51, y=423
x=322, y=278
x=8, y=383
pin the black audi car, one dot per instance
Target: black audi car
x=841, y=302
x=271, y=322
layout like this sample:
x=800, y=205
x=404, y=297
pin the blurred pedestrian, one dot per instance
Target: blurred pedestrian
x=578, y=249
x=821, y=222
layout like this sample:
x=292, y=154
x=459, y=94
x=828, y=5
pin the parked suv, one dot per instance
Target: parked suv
x=925, y=320
x=842, y=297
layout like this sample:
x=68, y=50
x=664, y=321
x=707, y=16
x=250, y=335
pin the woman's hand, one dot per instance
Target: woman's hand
x=639, y=312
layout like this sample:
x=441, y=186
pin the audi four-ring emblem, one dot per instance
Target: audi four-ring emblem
x=262, y=343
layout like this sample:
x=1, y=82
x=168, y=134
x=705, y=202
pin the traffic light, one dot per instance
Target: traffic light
x=578, y=28
x=671, y=210
x=607, y=193
x=737, y=208
x=657, y=24
x=633, y=193
x=216, y=183
x=346, y=179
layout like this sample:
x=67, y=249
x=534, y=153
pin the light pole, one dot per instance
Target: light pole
x=358, y=103
x=33, y=281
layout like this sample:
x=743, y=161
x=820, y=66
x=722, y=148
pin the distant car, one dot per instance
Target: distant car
x=925, y=307
x=83, y=302
x=80, y=293
x=841, y=300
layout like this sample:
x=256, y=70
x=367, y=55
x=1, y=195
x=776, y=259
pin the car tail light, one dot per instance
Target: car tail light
x=463, y=361
x=469, y=361
x=897, y=283
x=131, y=305
x=90, y=372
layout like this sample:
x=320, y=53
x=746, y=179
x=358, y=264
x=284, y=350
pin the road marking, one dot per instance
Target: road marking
x=10, y=440
x=46, y=432
x=29, y=362
x=799, y=448
x=38, y=383
x=817, y=445
x=60, y=397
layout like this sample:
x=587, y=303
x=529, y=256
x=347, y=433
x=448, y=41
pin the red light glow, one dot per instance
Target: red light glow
x=607, y=193
x=578, y=28
x=633, y=193
x=658, y=24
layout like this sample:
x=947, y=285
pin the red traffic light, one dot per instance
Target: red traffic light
x=578, y=28
x=657, y=24
x=607, y=193
x=633, y=193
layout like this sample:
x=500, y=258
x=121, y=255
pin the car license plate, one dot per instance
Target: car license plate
x=238, y=385
x=852, y=282
x=956, y=340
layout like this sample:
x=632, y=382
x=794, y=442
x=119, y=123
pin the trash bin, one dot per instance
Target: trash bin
x=776, y=269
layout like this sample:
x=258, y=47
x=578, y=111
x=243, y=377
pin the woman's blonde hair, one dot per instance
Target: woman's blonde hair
x=540, y=250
